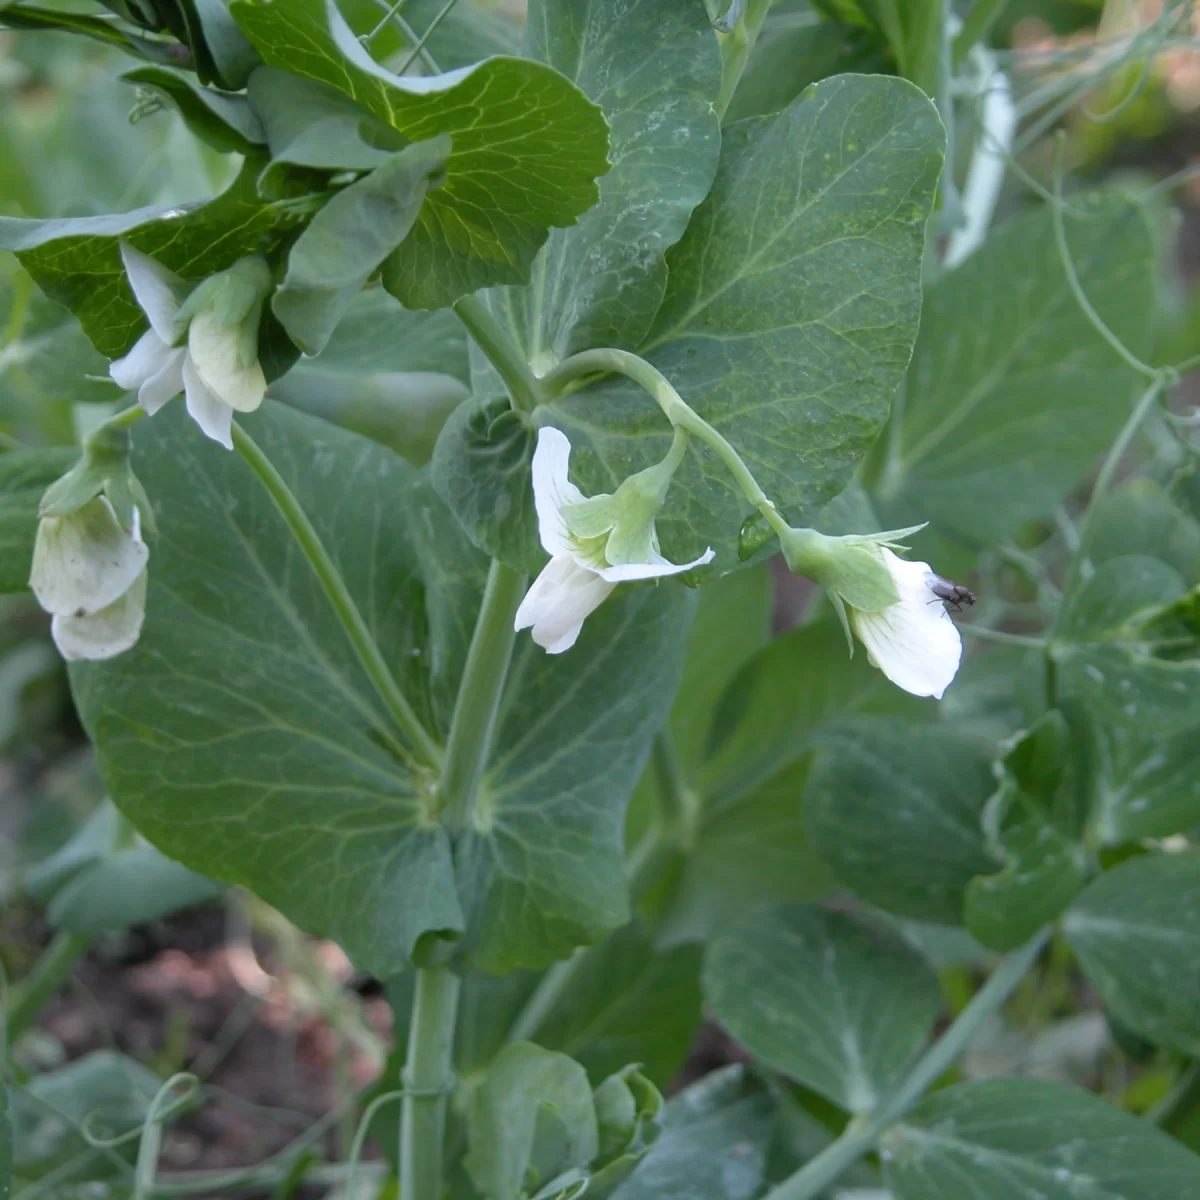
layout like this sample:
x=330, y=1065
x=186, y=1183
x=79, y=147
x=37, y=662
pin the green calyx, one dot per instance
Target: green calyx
x=233, y=296
x=104, y=469
x=851, y=568
x=625, y=519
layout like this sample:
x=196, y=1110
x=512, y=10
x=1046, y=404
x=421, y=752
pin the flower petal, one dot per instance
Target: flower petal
x=552, y=488
x=147, y=358
x=913, y=642
x=558, y=603
x=165, y=385
x=656, y=568
x=158, y=291
x=105, y=633
x=215, y=348
x=214, y=418
x=84, y=561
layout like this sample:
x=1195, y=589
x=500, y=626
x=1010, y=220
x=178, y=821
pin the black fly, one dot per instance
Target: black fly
x=952, y=595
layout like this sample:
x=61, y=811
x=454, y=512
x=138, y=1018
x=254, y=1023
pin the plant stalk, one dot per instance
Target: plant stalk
x=510, y=364
x=428, y=1080
x=860, y=1137
x=478, y=699
x=424, y=748
x=48, y=974
x=736, y=48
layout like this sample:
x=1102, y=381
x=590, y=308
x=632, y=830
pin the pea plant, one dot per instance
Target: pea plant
x=418, y=585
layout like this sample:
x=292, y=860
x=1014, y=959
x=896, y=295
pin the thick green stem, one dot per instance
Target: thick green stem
x=510, y=364
x=594, y=362
x=860, y=1137
x=424, y=748
x=428, y=1080
x=736, y=47
x=479, y=694
x=27, y=997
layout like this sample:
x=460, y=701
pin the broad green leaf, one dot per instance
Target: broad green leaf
x=523, y=1087
x=225, y=122
x=465, y=34
x=896, y=810
x=107, y=879
x=110, y=1089
x=824, y=997
x=713, y=1145
x=527, y=148
x=1125, y=685
x=1115, y=595
x=77, y=260
x=347, y=240
x=1151, y=786
x=627, y=1002
x=1136, y=931
x=1012, y=392
x=655, y=71
x=796, y=48
x=21, y=15
x=1140, y=518
x=24, y=477
x=790, y=311
x=1032, y=1139
x=242, y=738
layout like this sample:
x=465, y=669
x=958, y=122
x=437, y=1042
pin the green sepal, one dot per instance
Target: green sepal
x=849, y=567
x=232, y=296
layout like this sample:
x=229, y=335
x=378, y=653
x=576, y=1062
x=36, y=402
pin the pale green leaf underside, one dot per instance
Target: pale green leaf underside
x=790, y=313
x=1012, y=392
x=824, y=998
x=527, y=147
x=1031, y=1139
x=242, y=737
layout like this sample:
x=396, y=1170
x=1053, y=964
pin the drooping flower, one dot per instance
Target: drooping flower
x=90, y=574
x=888, y=602
x=204, y=344
x=580, y=574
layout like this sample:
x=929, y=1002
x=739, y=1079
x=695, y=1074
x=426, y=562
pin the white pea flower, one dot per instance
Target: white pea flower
x=888, y=601
x=579, y=576
x=204, y=344
x=913, y=641
x=90, y=574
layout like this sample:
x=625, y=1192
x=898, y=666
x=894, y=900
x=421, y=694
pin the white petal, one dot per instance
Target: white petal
x=913, y=642
x=158, y=291
x=558, y=603
x=654, y=569
x=552, y=488
x=214, y=418
x=84, y=561
x=165, y=385
x=147, y=358
x=216, y=351
x=103, y=634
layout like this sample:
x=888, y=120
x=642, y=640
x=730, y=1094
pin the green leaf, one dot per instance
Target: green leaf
x=465, y=34
x=527, y=148
x=1032, y=1139
x=1126, y=686
x=482, y=469
x=627, y=1002
x=77, y=260
x=824, y=997
x=6, y=1145
x=349, y=237
x=713, y=1145
x=242, y=738
x=24, y=477
x=110, y=1089
x=790, y=311
x=225, y=122
x=1140, y=518
x=36, y=17
x=1118, y=592
x=655, y=71
x=523, y=1087
x=896, y=811
x=1136, y=931
x=1012, y=392
x=1151, y=786
x=107, y=879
